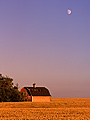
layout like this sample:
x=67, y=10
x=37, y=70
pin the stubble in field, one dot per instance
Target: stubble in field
x=57, y=109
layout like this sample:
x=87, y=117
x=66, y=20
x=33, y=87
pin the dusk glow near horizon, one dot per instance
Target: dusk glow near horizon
x=40, y=43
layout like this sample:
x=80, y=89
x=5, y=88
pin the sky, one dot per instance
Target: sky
x=40, y=43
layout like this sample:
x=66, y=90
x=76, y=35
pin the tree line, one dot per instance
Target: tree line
x=8, y=91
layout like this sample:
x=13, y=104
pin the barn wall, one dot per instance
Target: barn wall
x=24, y=91
x=41, y=98
x=29, y=98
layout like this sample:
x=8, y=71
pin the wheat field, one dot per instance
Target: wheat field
x=57, y=109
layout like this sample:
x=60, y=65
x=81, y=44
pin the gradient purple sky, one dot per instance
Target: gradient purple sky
x=40, y=42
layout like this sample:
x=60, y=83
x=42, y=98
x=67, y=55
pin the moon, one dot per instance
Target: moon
x=69, y=11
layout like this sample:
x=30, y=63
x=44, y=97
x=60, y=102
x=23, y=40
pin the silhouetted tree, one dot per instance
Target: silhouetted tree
x=9, y=92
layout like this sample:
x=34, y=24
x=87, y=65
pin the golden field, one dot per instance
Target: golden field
x=57, y=109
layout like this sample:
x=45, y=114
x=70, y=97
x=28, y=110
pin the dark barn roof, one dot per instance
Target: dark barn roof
x=38, y=91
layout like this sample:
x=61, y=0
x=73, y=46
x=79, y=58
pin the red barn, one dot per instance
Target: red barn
x=36, y=94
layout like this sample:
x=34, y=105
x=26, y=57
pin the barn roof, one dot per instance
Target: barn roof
x=37, y=91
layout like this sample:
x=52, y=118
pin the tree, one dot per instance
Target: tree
x=9, y=92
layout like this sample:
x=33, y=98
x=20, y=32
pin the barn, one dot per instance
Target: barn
x=36, y=94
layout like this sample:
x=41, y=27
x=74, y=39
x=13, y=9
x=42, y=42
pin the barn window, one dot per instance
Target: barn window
x=24, y=93
x=39, y=90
